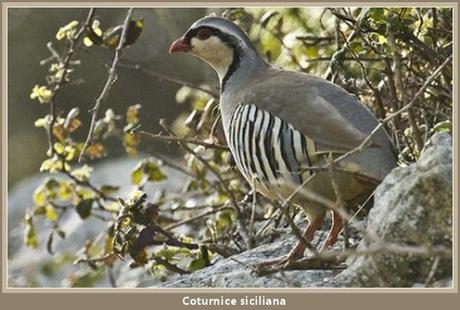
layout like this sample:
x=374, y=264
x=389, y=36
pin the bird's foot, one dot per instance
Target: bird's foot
x=272, y=265
x=277, y=264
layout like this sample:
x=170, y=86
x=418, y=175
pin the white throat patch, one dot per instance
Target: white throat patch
x=214, y=52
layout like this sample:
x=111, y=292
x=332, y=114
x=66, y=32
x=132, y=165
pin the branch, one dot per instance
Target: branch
x=416, y=135
x=65, y=65
x=340, y=53
x=161, y=77
x=170, y=266
x=427, y=83
x=161, y=137
x=239, y=215
x=331, y=259
x=197, y=217
x=108, y=84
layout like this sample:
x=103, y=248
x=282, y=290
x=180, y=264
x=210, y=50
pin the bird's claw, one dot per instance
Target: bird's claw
x=274, y=265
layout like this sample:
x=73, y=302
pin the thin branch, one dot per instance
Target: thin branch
x=65, y=66
x=162, y=77
x=239, y=215
x=392, y=115
x=330, y=259
x=112, y=76
x=197, y=217
x=340, y=53
x=170, y=138
x=170, y=266
x=111, y=276
x=400, y=87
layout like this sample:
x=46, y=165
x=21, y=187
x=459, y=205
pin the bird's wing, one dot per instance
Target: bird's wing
x=318, y=109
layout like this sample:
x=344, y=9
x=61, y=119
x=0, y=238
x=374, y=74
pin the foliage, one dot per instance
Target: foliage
x=382, y=55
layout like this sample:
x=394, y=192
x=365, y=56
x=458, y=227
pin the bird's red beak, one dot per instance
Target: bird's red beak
x=180, y=45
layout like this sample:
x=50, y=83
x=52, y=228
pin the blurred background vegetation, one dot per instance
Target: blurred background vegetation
x=29, y=30
x=381, y=55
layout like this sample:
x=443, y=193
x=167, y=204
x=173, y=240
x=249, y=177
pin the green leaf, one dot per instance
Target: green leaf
x=39, y=197
x=84, y=208
x=109, y=189
x=148, y=168
x=197, y=264
x=444, y=126
x=52, y=185
x=132, y=114
x=51, y=213
x=137, y=174
x=153, y=171
x=60, y=233
x=224, y=219
x=170, y=253
x=30, y=234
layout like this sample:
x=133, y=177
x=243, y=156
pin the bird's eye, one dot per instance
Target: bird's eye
x=203, y=34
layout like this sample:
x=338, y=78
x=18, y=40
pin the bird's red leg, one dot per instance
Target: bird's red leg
x=299, y=249
x=337, y=224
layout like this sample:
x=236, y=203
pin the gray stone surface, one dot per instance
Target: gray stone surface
x=413, y=206
x=236, y=271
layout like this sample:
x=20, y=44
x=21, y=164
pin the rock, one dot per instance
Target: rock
x=413, y=206
x=236, y=271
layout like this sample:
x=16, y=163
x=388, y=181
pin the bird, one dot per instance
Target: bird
x=282, y=125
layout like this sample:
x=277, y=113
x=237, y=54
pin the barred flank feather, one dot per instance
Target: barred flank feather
x=267, y=150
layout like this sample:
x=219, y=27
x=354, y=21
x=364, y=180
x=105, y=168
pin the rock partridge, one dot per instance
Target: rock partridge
x=280, y=123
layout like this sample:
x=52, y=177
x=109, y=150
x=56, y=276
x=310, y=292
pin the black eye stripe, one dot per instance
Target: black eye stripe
x=228, y=39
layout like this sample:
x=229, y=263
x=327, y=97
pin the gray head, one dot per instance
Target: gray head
x=220, y=43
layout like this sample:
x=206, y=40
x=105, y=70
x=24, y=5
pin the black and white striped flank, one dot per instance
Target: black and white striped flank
x=266, y=149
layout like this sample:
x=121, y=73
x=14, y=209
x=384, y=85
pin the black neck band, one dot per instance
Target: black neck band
x=235, y=64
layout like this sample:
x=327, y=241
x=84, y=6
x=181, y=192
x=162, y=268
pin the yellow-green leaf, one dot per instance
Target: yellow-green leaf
x=39, y=197
x=83, y=173
x=51, y=213
x=30, y=235
x=41, y=93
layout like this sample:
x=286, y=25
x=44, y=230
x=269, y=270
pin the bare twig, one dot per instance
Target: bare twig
x=94, y=259
x=170, y=138
x=400, y=87
x=197, y=217
x=111, y=78
x=434, y=268
x=340, y=53
x=162, y=77
x=170, y=266
x=240, y=220
x=365, y=142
